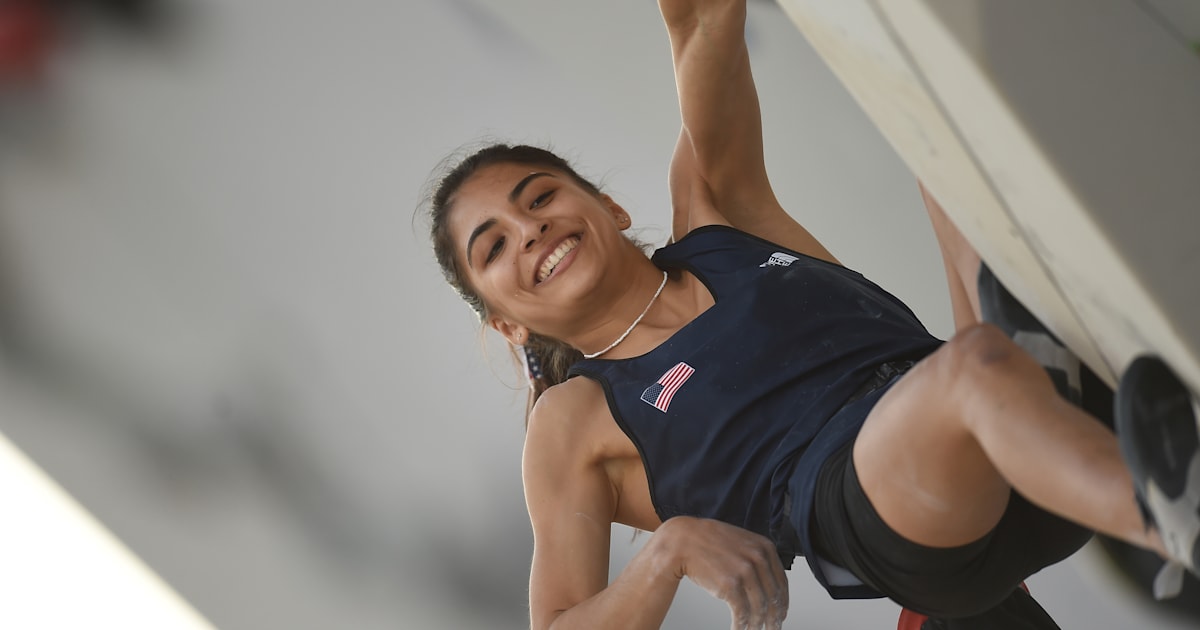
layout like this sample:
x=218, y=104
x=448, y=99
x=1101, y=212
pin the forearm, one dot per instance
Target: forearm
x=735, y=565
x=719, y=108
x=637, y=599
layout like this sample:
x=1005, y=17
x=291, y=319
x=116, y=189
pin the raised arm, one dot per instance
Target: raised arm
x=572, y=503
x=718, y=174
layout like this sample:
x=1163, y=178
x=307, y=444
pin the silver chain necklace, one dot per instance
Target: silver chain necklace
x=635, y=322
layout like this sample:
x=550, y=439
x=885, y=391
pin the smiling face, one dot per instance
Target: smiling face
x=535, y=245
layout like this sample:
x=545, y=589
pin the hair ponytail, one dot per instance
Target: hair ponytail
x=547, y=361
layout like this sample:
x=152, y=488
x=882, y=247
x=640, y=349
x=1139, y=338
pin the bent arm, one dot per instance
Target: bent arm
x=572, y=503
x=718, y=173
x=639, y=597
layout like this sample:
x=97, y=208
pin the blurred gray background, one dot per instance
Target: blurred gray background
x=223, y=331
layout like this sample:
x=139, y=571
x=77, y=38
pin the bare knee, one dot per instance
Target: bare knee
x=982, y=346
x=986, y=366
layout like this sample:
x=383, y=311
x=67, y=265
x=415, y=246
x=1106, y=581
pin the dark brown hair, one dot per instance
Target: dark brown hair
x=553, y=357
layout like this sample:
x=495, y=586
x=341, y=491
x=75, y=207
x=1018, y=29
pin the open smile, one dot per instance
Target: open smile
x=554, y=261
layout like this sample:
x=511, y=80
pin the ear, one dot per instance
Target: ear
x=619, y=214
x=516, y=334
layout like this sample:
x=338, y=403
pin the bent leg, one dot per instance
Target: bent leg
x=939, y=453
x=976, y=295
x=961, y=263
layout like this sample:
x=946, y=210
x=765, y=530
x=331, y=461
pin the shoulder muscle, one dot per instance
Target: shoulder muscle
x=570, y=499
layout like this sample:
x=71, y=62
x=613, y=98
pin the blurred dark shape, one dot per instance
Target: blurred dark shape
x=479, y=570
x=9, y=333
x=31, y=30
x=139, y=17
x=28, y=30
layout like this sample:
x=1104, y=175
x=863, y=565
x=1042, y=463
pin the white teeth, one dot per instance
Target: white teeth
x=556, y=257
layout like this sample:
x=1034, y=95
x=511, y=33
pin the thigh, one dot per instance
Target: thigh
x=922, y=470
x=967, y=580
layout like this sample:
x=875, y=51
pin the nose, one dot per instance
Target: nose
x=534, y=231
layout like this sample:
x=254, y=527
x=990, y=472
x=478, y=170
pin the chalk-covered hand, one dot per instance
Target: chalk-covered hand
x=735, y=565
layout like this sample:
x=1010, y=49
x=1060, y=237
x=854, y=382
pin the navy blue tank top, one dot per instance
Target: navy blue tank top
x=739, y=401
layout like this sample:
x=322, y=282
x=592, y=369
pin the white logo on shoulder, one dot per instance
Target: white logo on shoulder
x=779, y=259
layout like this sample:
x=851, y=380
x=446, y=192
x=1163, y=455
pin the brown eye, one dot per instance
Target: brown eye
x=495, y=250
x=541, y=199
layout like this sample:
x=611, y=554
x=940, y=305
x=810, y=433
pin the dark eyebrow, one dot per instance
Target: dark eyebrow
x=476, y=233
x=512, y=198
x=516, y=191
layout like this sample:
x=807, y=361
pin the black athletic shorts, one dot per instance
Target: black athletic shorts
x=942, y=582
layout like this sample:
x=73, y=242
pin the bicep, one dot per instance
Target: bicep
x=718, y=172
x=570, y=563
x=693, y=204
x=571, y=507
x=720, y=147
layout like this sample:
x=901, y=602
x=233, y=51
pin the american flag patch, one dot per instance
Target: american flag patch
x=659, y=395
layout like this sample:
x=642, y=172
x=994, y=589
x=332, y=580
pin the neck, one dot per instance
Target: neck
x=637, y=320
x=670, y=312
